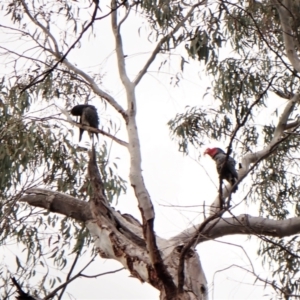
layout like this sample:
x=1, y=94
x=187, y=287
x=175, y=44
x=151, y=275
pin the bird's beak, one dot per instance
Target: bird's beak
x=205, y=152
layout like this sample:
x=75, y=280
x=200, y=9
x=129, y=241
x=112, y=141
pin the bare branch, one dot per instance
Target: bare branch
x=102, y=274
x=210, y=229
x=163, y=40
x=96, y=130
x=94, y=86
x=136, y=178
x=62, y=59
x=79, y=274
x=119, y=45
x=245, y=225
x=192, y=241
x=58, y=203
x=271, y=283
x=24, y=56
x=52, y=294
x=57, y=53
x=69, y=274
x=282, y=94
x=40, y=25
x=292, y=125
x=125, y=17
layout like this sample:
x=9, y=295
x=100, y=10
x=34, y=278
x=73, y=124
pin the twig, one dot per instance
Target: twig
x=101, y=274
x=88, y=128
x=79, y=274
x=69, y=274
x=57, y=52
x=163, y=40
x=271, y=283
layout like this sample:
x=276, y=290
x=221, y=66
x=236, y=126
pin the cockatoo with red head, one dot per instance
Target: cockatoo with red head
x=225, y=168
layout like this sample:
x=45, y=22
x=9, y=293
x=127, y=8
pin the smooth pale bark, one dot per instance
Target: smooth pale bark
x=288, y=15
x=135, y=172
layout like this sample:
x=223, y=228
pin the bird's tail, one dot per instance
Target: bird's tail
x=232, y=182
x=80, y=133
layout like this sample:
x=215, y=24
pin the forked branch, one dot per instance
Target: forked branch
x=136, y=177
x=165, y=39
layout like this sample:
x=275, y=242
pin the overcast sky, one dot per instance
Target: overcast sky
x=173, y=180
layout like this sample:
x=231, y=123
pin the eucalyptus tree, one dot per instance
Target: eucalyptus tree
x=249, y=50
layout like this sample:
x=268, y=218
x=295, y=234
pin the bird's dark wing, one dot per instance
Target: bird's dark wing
x=219, y=158
x=90, y=117
x=231, y=167
x=226, y=170
x=77, y=110
x=232, y=175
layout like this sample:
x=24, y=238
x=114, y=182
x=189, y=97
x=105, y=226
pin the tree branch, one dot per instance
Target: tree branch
x=111, y=242
x=271, y=283
x=285, y=12
x=65, y=284
x=136, y=178
x=57, y=53
x=281, y=126
x=292, y=125
x=189, y=244
x=69, y=274
x=243, y=224
x=58, y=203
x=44, y=29
x=163, y=40
x=119, y=46
x=62, y=59
x=94, y=86
x=255, y=158
x=114, y=236
x=96, y=130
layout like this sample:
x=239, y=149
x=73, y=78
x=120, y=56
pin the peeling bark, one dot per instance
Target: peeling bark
x=129, y=248
x=121, y=238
